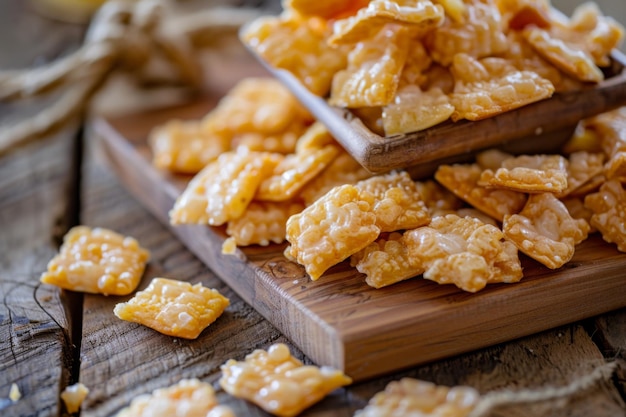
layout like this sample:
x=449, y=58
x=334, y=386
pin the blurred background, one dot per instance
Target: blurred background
x=79, y=10
x=36, y=32
x=614, y=8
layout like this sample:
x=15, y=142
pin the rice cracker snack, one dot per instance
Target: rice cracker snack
x=278, y=382
x=97, y=261
x=339, y=224
x=409, y=396
x=463, y=251
x=186, y=398
x=545, y=231
x=174, y=308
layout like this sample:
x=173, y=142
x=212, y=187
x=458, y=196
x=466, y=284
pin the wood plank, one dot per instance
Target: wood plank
x=35, y=186
x=33, y=327
x=339, y=320
x=121, y=360
x=609, y=332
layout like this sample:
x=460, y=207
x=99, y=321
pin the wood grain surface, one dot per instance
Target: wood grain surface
x=120, y=360
x=36, y=207
x=339, y=320
x=33, y=327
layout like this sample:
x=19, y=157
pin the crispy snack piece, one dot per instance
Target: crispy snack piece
x=525, y=58
x=385, y=262
x=466, y=69
x=283, y=142
x=437, y=76
x=293, y=172
x=260, y=114
x=436, y=197
x=581, y=168
x=398, y=203
x=455, y=9
x=592, y=185
x=610, y=130
x=417, y=62
x=567, y=59
x=593, y=32
x=14, y=393
x=315, y=150
x=583, y=139
x=576, y=208
x=529, y=173
x=262, y=223
x=187, y=398
x=256, y=104
x=224, y=188
x=327, y=9
x=463, y=251
x=373, y=72
x=479, y=34
x=278, y=382
x=616, y=167
x=337, y=225
x=518, y=14
x=409, y=396
x=462, y=180
x=184, y=147
x=73, y=397
x=316, y=136
x=371, y=117
x=174, y=308
x=413, y=110
x=420, y=16
x=578, y=46
x=492, y=158
x=492, y=86
x=476, y=214
x=344, y=169
x=545, y=231
x=299, y=46
x=609, y=212
x=97, y=261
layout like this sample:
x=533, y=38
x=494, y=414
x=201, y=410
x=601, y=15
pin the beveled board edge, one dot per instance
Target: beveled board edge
x=442, y=323
x=526, y=127
x=471, y=321
x=157, y=193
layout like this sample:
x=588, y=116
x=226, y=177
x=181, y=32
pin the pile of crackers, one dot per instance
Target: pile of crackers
x=268, y=172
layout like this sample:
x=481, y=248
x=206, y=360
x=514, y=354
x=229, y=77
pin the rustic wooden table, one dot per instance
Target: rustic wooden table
x=51, y=338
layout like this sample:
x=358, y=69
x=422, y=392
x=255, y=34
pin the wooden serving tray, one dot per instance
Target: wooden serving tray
x=339, y=320
x=539, y=127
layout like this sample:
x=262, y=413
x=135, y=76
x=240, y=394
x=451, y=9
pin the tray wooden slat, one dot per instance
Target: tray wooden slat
x=339, y=320
x=538, y=127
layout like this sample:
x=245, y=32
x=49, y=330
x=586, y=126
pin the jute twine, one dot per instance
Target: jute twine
x=491, y=400
x=124, y=35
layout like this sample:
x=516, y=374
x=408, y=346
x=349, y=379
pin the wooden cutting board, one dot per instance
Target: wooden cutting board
x=342, y=322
